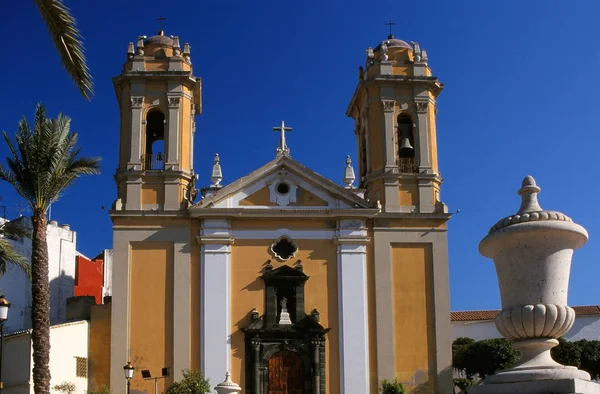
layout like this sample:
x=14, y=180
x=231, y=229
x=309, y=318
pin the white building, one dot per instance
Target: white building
x=480, y=324
x=68, y=358
x=61, y=261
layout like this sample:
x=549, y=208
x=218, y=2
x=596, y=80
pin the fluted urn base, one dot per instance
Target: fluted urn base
x=558, y=386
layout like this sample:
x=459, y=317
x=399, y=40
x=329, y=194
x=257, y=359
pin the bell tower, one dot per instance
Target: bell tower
x=394, y=112
x=158, y=98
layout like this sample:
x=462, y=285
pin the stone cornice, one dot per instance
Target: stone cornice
x=215, y=240
x=197, y=212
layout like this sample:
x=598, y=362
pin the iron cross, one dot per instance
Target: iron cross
x=390, y=24
x=282, y=145
x=160, y=21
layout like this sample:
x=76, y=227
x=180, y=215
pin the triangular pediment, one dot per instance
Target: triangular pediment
x=284, y=184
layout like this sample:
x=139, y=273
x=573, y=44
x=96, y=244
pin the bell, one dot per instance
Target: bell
x=405, y=144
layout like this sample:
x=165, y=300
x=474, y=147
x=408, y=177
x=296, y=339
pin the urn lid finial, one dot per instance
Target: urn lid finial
x=530, y=210
x=528, y=192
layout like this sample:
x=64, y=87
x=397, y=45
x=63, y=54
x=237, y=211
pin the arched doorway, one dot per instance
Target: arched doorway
x=285, y=373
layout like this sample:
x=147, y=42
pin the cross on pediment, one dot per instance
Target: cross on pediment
x=282, y=149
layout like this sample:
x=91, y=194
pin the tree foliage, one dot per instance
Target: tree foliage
x=68, y=41
x=193, y=383
x=8, y=255
x=482, y=358
x=582, y=354
x=392, y=387
x=65, y=388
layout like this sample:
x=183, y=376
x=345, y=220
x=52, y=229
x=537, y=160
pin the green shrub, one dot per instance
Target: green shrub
x=65, y=388
x=489, y=356
x=101, y=390
x=389, y=387
x=193, y=383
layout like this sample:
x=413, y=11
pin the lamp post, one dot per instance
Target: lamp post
x=4, y=305
x=128, y=369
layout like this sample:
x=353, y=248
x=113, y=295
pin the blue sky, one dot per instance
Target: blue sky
x=519, y=99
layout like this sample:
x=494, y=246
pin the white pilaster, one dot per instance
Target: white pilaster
x=215, y=238
x=173, y=147
x=135, y=157
x=352, y=306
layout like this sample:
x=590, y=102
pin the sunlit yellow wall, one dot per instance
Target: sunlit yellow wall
x=297, y=224
x=306, y=198
x=375, y=137
x=125, y=137
x=261, y=198
x=409, y=194
x=153, y=193
x=413, y=315
x=99, y=348
x=151, y=311
x=248, y=258
x=186, y=132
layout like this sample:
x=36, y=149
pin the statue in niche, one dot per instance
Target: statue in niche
x=284, y=318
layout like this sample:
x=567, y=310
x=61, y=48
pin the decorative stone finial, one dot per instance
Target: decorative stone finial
x=130, y=50
x=217, y=175
x=416, y=51
x=227, y=386
x=140, y=45
x=282, y=149
x=186, y=53
x=530, y=210
x=528, y=192
x=424, y=57
x=349, y=176
x=176, y=47
x=384, y=49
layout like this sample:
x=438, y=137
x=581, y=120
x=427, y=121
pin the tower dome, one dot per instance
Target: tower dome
x=394, y=43
x=159, y=40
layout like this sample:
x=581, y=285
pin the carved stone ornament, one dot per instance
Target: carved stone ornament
x=174, y=101
x=388, y=105
x=137, y=102
x=422, y=106
x=284, y=248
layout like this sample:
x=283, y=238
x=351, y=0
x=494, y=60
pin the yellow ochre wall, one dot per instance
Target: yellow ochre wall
x=151, y=312
x=374, y=378
x=99, y=347
x=413, y=315
x=248, y=258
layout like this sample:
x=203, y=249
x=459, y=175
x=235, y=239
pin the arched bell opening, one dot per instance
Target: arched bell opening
x=154, y=156
x=405, y=139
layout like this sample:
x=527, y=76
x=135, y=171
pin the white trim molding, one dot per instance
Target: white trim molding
x=351, y=239
x=215, y=240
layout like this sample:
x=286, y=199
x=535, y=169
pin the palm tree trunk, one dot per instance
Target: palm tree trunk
x=40, y=314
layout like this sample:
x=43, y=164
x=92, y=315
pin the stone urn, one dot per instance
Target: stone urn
x=532, y=252
x=227, y=386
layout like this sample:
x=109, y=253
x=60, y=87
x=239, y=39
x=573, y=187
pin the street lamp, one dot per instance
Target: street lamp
x=128, y=369
x=4, y=305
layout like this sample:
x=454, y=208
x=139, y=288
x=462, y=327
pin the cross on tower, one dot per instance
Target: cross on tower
x=282, y=149
x=390, y=24
x=160, y=21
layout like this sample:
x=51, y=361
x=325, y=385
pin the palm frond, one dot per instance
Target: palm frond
x=9, y=256
x=45, y=160
x=14, y=230
x=68, y=41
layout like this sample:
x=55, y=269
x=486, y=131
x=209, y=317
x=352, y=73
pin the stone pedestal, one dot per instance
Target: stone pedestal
x=532, y=251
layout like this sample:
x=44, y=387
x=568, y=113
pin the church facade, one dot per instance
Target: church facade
x=290, y=281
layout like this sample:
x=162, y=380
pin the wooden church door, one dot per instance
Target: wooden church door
x=285, y=373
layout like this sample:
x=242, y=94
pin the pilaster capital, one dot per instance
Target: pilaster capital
x=137, y=101
x=422, y=106
x=174, y=102
x=388, y=105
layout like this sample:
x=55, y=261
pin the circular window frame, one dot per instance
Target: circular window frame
x=287, y=185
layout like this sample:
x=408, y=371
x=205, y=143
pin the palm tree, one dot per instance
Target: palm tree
x=67, y=39
x=11, y=230
x=44, y=162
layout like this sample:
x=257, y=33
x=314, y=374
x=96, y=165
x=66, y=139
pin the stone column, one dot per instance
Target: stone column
x=532, y=251
x=256, y=348
x=216, y=240
x=316, y=365
x=351, y=238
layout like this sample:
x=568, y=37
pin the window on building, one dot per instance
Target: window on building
x=81, y=367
